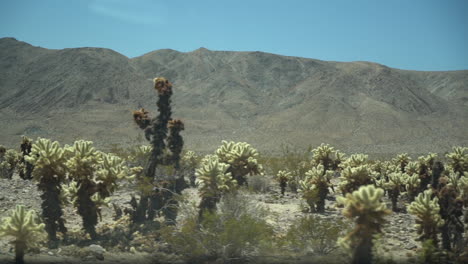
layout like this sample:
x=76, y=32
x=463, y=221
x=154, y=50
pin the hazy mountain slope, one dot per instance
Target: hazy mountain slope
x=261, y=98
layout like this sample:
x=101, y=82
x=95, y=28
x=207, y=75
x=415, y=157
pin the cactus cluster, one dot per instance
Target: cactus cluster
x=395, y=185
x=327, y=156
x=25, y=230
x=354, y=177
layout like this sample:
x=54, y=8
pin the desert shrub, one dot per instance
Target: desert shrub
x=229, y=240
x=9, y=161
x=260, y=184
x=316, y=235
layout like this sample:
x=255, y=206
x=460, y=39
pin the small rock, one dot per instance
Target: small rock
x=98, y=251
x=50, y=253
x=410, y=246
x=2, y=198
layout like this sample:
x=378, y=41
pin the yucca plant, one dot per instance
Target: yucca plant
x=368, y=211
x=23, y=227
x=48, y=160
x=428, y=219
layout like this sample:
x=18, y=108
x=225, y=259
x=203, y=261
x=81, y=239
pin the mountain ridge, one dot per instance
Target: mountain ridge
x=262, y=98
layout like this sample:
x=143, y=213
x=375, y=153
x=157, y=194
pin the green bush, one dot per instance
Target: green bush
x=313, y=234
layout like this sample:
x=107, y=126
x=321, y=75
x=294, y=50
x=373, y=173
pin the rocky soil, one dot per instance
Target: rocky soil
x=398, y=240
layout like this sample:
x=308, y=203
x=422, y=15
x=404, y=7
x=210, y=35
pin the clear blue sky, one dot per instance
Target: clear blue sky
x=406, y=34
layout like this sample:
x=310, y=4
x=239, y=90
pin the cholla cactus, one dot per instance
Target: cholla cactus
x=327, y=156
x=425, y=164
x=96, y=175
x=314, y=188
x=366, y=207
x=394, y=186
x=354, y=177
x=283, y=177
x=412, y=167
x=213, y=181
x=458, y=160
x=241, y=158
x=27, y=168
x=24, y=229
x=9, y=160
x=164, y=134
x=190, y=162
x=355, y=160
x=401, y=161
x=412, y=185
x=426, y=209
x=48, y=159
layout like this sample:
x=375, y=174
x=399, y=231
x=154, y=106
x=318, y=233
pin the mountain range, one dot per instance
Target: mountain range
x=267, y=100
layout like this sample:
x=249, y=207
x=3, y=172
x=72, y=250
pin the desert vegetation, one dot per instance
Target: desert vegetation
x=234, y=205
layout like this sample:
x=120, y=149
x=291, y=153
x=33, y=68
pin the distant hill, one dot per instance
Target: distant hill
x=264, y=99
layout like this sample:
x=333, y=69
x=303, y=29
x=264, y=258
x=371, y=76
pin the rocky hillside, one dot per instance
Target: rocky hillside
x=262, y=98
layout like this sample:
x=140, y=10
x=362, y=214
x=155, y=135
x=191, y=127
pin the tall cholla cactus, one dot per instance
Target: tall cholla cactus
x=283, y=177
x=354, y=177
x=27, y=168
x=327, y=156
x=366, y=207
x=96, y=175
x=9, y=160
x=24, y=229
x=213, y=181
x=394, y=186
x=458, y=160
x=241, y=158
x=426, y=210
x=166, y=150
x=48, y=159
x=425, y=164
x=315, y=187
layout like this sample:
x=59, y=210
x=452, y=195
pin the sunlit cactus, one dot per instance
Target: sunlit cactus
x=412, y=186
x=190, y=162
x=164, y=134
x=213, y=181
x=241, y=158
x=354, y=177
x=315, y=187
x=401, y=160
x=96, y=175
x=394, y=186
x=425, y=164
x=23, y=227
x=458, y=159
x=355, y=160
x=366, y=208
x=9, y=160
x=412, y=167
x=327, y=156
x=48, y=159
x=428, y=219
x=282, y=177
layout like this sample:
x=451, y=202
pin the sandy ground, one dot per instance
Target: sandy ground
x=397, y=242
